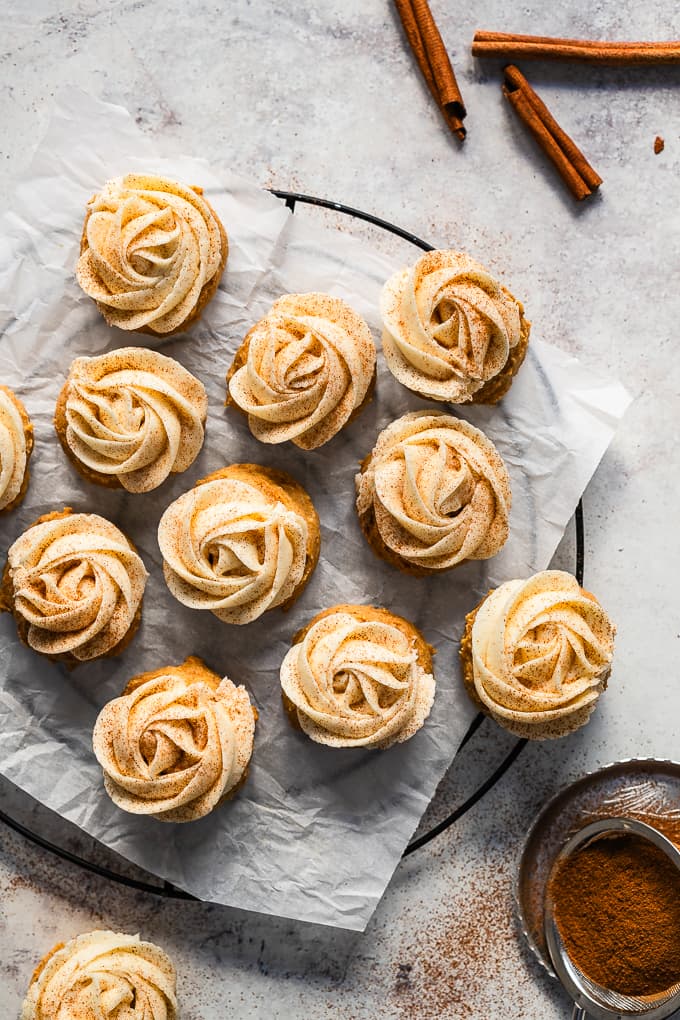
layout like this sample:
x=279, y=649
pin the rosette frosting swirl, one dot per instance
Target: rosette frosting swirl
x=173, y=746
x=133, y=415
x=232, y=547
x=77, y=585
x=103, y=975
x=436, y=490
x=356, y=679
x=449, y=327
x=13, y=449
x=150, y=247
x=304, y=370
x=541, y=654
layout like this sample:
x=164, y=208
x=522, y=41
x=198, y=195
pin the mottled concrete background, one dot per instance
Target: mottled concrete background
x=324, y=98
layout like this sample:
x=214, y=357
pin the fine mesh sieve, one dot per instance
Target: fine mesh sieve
x=590, y=998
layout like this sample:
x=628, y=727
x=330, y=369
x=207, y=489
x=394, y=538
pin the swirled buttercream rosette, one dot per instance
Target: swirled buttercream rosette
x=244, y=540
x=433, y=493
x=16, y=445
x=303, y=371
x=537, y=654
x=358, y=676
x=152, y=253
x=451, y=331
x=103, y=974
x=75, y=585
x=130, y=418
x=176, y=743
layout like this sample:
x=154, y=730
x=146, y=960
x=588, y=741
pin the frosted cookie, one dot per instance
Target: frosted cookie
x=130, y=418
x=433, y=493
x=244, y=540
x=74, y=584
x=357, y=676
x=176, y=743
x=103, y=974
x=16, y=446
x=451, y=331
x=537, y=653
x=304, y=371
x=152, y=253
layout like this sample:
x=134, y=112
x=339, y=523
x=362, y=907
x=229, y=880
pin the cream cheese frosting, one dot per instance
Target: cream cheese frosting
x=172, y=748
x=77, y=585
x=310, y=362
x=101, y=976
x=357, y=683
x=438, y=491
x=13, y=451
x=229, y=547
x=541, y=654
x=449, y=326
x=134, y=415
x=150, y=246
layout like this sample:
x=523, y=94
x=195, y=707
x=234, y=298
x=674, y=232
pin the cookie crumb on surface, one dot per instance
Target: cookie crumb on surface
x=658, y=144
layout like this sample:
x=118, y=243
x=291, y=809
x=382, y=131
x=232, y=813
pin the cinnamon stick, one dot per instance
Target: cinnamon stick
x=433, y=60
x=537, y=47
x=571, y=164
x=515, y=80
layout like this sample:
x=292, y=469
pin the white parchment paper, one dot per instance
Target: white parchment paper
x=315, y=833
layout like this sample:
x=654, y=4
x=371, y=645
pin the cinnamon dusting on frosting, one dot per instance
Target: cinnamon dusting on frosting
x=358, y=677
x=451, y=331
x=152, y=253
x=176, y=743
x=103, y=974
x=74, y=584
x=537, y=654
x=242, y=541
x=130, y=418
x=304, y=371
x=434, y=492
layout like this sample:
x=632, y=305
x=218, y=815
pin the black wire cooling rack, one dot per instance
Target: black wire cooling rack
x=168, y=890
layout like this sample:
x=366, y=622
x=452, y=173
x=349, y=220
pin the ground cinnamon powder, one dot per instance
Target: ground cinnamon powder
x=617, y=908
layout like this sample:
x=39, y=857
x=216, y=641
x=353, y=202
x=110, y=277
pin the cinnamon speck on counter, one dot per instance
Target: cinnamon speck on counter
x=446, y=969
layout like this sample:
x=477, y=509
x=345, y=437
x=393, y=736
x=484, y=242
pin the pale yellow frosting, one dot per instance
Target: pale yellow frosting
x=541, y=652
x=309, y=366
x=12, y=450
x=439, y=491
x=173, y=749
x=77, y=583
x=449, y=326
x=104, y=975
x=357, y=684
x=230, y=548
x=152, y=245
x=136, y=415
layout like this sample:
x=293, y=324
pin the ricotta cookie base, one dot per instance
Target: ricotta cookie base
x=28, y=438
x=208, y=290
x=7, y=605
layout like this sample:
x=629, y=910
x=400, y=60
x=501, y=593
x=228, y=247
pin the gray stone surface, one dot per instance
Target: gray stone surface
x=324, y=98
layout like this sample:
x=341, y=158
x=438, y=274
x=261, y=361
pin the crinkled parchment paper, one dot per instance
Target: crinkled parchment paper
x=315, y=834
